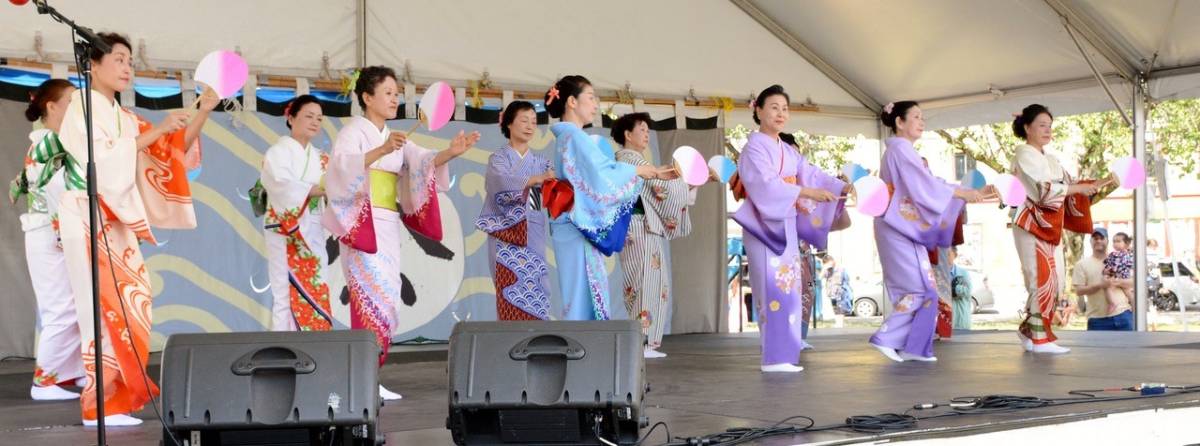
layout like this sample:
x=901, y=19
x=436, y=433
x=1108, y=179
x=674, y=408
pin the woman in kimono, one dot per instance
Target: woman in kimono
x=602, y=193
x=810, y=304
x=292, y=174
x=376, y=181
x=921, y=216
x=788, y=201
x=512, y=217
x=141, y=180
x=659, y=215
x=1053, y=202
x=42, y=182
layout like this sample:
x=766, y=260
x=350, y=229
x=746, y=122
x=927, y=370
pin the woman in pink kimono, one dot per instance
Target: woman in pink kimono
x=376, y=181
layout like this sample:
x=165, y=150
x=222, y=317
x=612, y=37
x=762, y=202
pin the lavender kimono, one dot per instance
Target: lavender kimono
x=775, y=220
x=513, y=218
x=921, y=216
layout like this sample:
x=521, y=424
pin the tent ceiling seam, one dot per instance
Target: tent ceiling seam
x=1105, y=43
x=1096, y=72
x=770, y=25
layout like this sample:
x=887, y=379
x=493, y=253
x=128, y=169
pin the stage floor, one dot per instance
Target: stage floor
x=712, y=382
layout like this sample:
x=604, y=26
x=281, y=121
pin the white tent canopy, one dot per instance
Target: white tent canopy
x=971, y=61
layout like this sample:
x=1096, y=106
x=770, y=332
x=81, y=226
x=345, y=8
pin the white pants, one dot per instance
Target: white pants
x=277, y=267
x=58, y=350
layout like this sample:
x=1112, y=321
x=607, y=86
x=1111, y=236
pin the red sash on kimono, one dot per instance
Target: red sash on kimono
x=735, y=186
x=557, y=197
x=1046, y=224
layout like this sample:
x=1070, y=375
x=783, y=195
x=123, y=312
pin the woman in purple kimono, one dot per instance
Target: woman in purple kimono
x=921, y=216
x=512, y=217
x=787, y=201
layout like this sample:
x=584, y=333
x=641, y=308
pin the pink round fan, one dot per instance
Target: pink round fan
x=723, y=167
x=1012, y=192
x=873, y=196
x=437, y=105
x=1130, y=173
x=690, y=165
x=223, y=71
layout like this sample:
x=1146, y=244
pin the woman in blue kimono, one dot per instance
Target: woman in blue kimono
x=590, y=202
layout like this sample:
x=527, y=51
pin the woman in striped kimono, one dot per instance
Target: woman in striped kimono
x=512, y=217
x=1053, y=203
x=43, y=180
x=292, y=174
x=659, y=215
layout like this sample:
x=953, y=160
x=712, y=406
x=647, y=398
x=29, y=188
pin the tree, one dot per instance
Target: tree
x=1176, y=125
x=990, y=144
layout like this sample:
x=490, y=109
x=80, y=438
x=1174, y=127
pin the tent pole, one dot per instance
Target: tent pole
x=1140, y=205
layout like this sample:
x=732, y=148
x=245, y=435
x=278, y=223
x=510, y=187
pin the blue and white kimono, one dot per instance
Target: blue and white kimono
x=595, y=226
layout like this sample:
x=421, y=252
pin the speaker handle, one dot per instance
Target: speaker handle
x=523, y=351
x=302, y=364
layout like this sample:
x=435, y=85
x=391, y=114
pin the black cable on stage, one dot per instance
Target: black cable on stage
x=877, y=424
x=652, y=428
x=739, y=435
x=880, y=423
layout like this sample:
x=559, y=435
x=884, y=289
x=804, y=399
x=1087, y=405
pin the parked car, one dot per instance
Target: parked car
x=869, y=301
x=1177, y=286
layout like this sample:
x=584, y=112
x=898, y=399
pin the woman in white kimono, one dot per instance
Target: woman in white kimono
x=142, y=182
x=1053, y=203
x=292, y=174
x=43, y=180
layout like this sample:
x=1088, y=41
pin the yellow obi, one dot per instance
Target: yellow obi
x=383, y=189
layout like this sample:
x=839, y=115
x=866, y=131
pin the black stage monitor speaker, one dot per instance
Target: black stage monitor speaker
x=546, y=383
x=271, y=388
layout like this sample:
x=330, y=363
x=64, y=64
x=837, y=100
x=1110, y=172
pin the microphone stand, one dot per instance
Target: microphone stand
x=85, y=42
